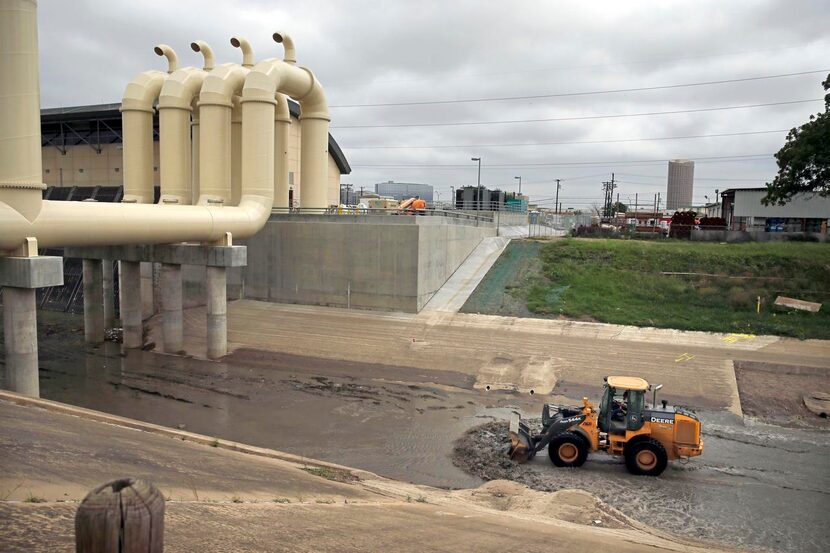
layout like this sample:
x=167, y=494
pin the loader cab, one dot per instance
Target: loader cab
x=622, y=405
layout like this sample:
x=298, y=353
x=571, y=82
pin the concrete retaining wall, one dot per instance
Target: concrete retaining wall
x=754, y=236
x=505, y=218
x=379, y=262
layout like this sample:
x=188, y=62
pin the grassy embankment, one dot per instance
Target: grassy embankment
x=622, y=282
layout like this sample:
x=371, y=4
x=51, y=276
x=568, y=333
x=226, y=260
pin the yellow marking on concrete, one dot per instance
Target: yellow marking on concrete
x=733, y=338
x=684, y=357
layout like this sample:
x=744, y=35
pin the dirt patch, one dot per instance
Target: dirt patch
x=775, y=393
x=574, y=506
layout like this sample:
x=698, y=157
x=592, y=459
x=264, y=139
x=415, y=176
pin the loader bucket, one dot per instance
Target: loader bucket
x=521, y=445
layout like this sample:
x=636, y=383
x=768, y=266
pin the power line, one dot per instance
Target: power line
x=440, y=146
x=581, y=118
x=568, y=163
x=583, y=93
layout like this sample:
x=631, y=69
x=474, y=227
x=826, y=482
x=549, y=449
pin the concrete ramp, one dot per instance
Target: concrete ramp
x=452, y=295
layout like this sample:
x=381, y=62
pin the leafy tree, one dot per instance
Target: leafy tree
x=804, y=160
x=619, y=207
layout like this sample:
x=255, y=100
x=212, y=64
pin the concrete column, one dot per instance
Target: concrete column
x=20, y=335
x=146, y=286
x=171, y=308
x=109, y=294
x=217, y=312
x=131, y=304
x=93, y=279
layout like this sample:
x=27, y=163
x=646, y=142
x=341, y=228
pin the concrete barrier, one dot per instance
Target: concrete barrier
x=382, y=262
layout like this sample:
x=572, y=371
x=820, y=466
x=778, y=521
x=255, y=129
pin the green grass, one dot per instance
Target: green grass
x=620, y=282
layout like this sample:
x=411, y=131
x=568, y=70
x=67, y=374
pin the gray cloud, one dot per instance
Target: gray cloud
x=367, y=52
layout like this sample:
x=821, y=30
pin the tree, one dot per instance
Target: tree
x=619, y=207
x=804, y=160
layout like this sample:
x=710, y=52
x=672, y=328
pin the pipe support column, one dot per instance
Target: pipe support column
x=20, y=335
x=171, y=307
x=131, y=304
x=109, y=294
x=93, y=279
x=217, y=312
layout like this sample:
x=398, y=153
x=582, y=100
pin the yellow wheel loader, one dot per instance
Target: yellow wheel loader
x=647, y=436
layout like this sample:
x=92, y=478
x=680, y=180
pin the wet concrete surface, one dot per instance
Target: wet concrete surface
x=759, y=486
x=756, y=486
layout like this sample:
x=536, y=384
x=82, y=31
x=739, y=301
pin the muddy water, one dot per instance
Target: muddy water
x=395, y=421
x=759, y=486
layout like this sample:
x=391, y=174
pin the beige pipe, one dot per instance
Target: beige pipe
x=290, y=55
x=137, y=135
x=236, y=150
x=236, y=124
x=272, y=76
x=206, y=51
x=215, y=114
x=21, y=170
x=247, y=51
x=282, y=131
x=170, y=54
x=175, y=108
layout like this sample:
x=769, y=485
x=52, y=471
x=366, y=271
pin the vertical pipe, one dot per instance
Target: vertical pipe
x=93, y=280
x=217, y=312
x=109, y=294
x=236, y=151
x=171, y=306
x=282, y=128
x=194, y=155
x=21, y=173
x=314, y=161
x=131, y=304
x=174, y=155
x=137, y=155
x=214, y=158
x=20, y=335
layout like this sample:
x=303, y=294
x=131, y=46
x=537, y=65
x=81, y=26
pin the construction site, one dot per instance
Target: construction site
x=204, y=348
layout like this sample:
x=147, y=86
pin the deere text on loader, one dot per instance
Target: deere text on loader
x=647, y=436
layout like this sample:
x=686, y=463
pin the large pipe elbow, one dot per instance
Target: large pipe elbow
x=142, y=91
x=204, y=48
x=290, y=55
x=170, y=54
x=247, y=51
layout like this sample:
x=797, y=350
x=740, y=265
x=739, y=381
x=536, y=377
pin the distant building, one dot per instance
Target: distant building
x=479, y=198
x=404, y=190
x=743, y=210
x=680, y=183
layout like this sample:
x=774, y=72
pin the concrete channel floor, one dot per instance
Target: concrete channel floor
x=510, y=353
x=225, y=500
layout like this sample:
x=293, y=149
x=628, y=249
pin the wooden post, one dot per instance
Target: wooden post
x=122, y=516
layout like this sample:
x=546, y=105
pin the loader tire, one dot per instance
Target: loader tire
x=646, y=458
x=568, y=450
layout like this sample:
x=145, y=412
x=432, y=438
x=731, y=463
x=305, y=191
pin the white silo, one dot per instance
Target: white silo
x=680, y=183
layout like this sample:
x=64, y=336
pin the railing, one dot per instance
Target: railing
x=351, y=211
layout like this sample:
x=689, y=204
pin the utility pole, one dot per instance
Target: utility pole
x=556, y=202
x=609, y=187
x=478, y=159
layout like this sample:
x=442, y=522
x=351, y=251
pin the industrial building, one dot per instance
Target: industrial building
x=743, y=210
x=82, y=147
x=404, y=190
x=479, y=198
x=680, y=186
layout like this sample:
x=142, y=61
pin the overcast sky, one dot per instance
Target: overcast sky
x=369, y=52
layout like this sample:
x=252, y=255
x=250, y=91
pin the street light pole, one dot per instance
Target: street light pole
x=556, y=203
x=478, y=159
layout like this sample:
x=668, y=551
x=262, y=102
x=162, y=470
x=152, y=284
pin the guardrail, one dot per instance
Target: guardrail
x=370, y=212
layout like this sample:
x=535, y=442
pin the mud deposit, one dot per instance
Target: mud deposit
x=740, y=492
x=774, y=393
